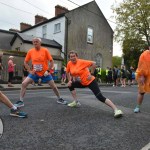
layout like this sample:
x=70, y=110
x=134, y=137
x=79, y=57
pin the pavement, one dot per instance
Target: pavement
x=4, y=87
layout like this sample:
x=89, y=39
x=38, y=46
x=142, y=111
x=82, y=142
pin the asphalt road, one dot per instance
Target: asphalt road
x=52, y=126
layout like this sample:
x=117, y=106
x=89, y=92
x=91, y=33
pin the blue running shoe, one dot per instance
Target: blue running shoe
x=19, y=104
x=17, y=113
x=136, y=110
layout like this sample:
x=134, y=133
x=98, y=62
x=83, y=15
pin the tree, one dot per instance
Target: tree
x=133, y=20
x=132, y=49
x=116, y=61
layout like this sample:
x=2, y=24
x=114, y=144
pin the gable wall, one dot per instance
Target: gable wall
x=79, y=20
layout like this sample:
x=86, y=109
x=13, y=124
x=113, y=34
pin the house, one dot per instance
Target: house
x=5, y=39
x=84, y=29
x=23, y=42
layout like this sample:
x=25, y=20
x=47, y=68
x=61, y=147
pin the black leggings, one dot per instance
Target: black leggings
x=93, y=86
x=10, y=78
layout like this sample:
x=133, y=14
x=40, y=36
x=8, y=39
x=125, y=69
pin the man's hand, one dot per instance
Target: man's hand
x=69, y=83
x=32, y=72
x=142, y=80
x=89, y=77
x=46, y=73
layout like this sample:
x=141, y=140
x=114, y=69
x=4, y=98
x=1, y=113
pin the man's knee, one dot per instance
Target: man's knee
x=52, y=84
x=26, y=82
x=142, y=94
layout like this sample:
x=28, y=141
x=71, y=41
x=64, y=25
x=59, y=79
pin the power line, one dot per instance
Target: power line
x=90, y=11
x=73, y=3
x=16, y=8
x=7, y=22
x=36, y=7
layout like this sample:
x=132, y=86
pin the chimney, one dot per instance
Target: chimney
x=24, y=26
x=14, y=30
x=39, y=19
x=60, y=10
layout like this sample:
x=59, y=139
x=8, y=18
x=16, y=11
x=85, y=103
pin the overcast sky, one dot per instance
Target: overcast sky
x=13, y=12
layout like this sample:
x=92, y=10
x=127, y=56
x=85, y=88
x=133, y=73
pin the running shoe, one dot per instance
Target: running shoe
x=136, y=110
x=74, y=104
x=62, y=101
x=17, y=113
x=19, y=104
x=118, y=113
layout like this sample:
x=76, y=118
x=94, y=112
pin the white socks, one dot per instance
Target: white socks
x=14, y=107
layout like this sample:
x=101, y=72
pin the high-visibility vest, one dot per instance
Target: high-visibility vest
x=107, y=72
x=99, y=70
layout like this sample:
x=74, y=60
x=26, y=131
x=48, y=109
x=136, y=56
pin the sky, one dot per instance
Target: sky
x=13, y=12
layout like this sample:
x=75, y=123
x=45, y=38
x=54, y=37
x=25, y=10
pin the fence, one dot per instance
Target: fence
x=18, y=74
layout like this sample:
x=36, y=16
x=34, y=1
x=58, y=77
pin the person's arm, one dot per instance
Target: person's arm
x=31, y=71
x=93, y=67
x=51, y=66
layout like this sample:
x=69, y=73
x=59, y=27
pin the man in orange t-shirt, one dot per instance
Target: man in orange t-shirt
x=79, y=76
x=40, y=58
x=143, y=77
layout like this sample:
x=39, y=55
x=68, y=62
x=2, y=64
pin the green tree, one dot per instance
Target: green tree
x=133, y=20
x=116, y=61
x=132, y=49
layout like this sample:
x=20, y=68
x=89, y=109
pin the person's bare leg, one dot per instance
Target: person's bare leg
x=139, y=102
x=25, y=83
x=54, y=87
x=4, y=99
x=110, y=104
x=74, y=95
x=140, y=98
x=117, y=113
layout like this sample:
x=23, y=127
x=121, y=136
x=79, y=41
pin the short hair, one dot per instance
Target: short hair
x=72, y=52
x=37, y=38
x=11, y=57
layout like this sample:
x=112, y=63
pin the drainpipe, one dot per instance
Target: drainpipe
x=66, y=40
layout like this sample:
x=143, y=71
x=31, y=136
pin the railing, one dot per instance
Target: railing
x=18, y=74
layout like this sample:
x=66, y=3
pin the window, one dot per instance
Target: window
x=90, y=35
x=44, y=31
x=57, y=28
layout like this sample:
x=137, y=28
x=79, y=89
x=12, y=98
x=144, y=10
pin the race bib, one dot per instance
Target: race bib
x=38, y=67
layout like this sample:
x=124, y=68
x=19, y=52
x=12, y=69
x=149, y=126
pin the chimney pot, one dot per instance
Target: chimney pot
x=39, y=19
x=60, y=10
x=24, y=26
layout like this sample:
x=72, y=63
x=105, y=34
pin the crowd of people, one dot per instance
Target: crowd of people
x=116, y=76
x=78, y=73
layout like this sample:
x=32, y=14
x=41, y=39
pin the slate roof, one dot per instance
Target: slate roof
x=28, y=39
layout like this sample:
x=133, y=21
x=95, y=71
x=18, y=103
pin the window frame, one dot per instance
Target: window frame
x=44, y=31
x=90, y=34
x=56, y=29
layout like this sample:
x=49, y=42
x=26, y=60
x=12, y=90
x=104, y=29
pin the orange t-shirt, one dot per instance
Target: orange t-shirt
x=80, y=69
x=144, y=69
x=40, y=59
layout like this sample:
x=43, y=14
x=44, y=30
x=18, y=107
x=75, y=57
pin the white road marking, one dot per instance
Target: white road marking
x=1, y=127
x=146, y=147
